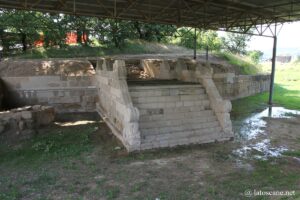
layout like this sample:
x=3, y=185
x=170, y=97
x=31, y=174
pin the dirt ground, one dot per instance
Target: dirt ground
x=81, y=160
x=46, y=67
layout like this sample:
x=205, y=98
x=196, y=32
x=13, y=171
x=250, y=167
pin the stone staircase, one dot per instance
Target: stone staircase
x=174, y=114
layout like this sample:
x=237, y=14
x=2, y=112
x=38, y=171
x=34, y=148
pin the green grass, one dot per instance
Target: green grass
x=56, y=144
x=131, y=47
x=243, y=65
x=286, y=90
x=265, y=177
x=108, y=175
x=295, y=153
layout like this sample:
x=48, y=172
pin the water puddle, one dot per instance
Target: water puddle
x=254, y=139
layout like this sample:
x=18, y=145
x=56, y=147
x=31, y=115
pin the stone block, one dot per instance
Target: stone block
x=21, y=125
x=26, y=114
x=2, y=127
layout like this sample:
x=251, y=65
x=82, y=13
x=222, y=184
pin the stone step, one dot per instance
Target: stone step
x=154, y=87
x=157, y=105
x=163, y=130
x=178, y=98
x=175, y=111
x=182, y=134
x=183, y=141
x=157, y=92
x=176, y=122
x=181, y=138
x=159, y=117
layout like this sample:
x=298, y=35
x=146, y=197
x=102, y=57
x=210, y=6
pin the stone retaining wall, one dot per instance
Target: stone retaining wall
x=1, y=94
x=65, y=94
x=233, y=86
x=115, y=105
x=68, y=86
x=21, y=123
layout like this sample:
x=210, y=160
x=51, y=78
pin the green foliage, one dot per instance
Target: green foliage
x=187, y=38
x=153, y=32
x=255, y=55
x=211, y=40
x=22, y=23
x=130, y=47
x=241, y=64
x=236, y=43
x=115, y=32
x=58, y=143
x=205, y=39
x=53, y=28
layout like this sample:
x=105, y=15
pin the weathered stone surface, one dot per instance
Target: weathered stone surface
x=232, y=87
x=2, y=128
x=144, y=117
x=20, y=123
x=26, y=114
x=66, y=82
x=1, y=94
x=67, y=91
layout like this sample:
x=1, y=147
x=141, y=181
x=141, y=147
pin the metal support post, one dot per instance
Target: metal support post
x=195, y=45
x=273, y=71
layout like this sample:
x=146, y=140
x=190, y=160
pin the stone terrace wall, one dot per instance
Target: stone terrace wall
x=68, y=86
x=115, y=105
x=233, y=86
x=1, y=95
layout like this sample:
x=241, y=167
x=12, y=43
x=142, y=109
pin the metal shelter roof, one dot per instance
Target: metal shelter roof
x=206, y=14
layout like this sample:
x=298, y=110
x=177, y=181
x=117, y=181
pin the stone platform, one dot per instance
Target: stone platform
x=174, y=105
x=148, y=103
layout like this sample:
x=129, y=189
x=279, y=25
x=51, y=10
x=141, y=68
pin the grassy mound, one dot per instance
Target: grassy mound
x=243, y=65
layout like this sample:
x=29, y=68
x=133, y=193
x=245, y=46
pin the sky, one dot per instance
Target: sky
x=288, y=38
x=288, y=41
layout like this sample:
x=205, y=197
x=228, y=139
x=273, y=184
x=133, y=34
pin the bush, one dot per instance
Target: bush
x=255, y=56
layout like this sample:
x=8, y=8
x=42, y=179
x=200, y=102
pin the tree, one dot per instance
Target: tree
x=55, y=28
x=113, y=32
x=153, y=32
x=205, y=39
x=23, y=23
x=236, y=43
x=210, y=40
x=255, y=55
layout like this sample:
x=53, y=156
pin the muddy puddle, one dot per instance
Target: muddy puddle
x=256, y=136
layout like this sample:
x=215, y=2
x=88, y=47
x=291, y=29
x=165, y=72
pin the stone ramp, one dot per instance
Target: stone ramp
x=174, y=114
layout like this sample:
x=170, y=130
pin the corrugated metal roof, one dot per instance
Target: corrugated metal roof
x=208, y=14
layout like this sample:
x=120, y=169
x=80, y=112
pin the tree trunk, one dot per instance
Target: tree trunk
x=85, y=37
x=138, y=29
x=24, y=42
x=79, y=37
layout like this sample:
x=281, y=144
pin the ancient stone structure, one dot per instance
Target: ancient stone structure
x=233, y=86
x=146, y=114
x=67, y=85
x=147, y=103
x=1, y=94
x=21, y=123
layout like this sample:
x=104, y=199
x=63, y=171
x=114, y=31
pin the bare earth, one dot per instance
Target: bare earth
x=106, y=171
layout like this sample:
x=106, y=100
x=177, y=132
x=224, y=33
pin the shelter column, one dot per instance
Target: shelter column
x=195, y=44
x=273, y=71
